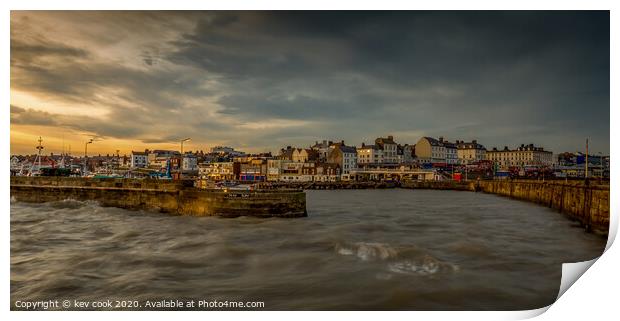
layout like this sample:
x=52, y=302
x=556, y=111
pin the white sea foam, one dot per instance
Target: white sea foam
x=368, y=251
x=402, y=260
x=345, y=251
x=427, y=266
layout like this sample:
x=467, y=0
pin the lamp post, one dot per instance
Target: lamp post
x=181, y=165
x=86, y=155
x=466, y=171
x=600, y=163
x=182, y=141
x=586, y=174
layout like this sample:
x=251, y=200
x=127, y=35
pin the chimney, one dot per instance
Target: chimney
x=363, y=145
x=441, y=139
x=474, y=141
x=390, y=137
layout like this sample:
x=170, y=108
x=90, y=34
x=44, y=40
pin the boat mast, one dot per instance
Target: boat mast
x=38, y=158
x=62, y=159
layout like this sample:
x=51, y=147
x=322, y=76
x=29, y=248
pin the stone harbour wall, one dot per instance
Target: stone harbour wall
x=587, y=203
x=160, y=195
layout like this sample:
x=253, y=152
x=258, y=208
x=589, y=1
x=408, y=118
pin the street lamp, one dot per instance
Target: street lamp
x=181, y=165
x=182, y=141
x=86, y=154
x=600, y=163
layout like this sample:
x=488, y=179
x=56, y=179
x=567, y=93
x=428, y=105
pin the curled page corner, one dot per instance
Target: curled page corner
x=528, y=314
x=571, y=272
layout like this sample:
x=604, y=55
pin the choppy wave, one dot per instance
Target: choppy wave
x=428, y=265
x=367, y=251
x=71, y=203
x=399, y=259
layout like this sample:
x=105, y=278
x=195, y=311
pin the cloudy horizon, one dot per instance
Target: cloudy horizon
x=259, y=81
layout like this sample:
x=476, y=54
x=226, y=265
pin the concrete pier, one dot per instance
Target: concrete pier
x=161, y=196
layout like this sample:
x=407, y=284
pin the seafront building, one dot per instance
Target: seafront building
x=385, y=152
x=139, y=159
x=157, y=155
x=369, y=155
x=430, y=150
x=216, y=171
x=524, y=155
x=190, y=163
x=326, y=161
x=345, y=157
x=470, y=152
x=405, y=154
x=322, y=149
x=452, y=157
x=389, y=149
x=302, y=155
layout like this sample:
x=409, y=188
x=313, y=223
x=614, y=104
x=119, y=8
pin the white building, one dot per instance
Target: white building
x=390, y=149
x=345, y=157
x=521, y=156
x=407, y=154
x=190, y=163
x=274, y=169
x=297, y=172
x=369, y=154
x=138, y=159
x=216, y=171
x=470, y=152
x=451, y=152
x=430, y=150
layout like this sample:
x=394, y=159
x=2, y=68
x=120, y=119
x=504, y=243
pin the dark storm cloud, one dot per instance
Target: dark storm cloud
x=118, y=129
x=28, y=52
x=302, y=107
x=520, y=70
x=504, y=78
x=77, y=79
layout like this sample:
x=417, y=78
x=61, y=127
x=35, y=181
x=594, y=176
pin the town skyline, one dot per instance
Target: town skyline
x=258, y=81
x=68, y=150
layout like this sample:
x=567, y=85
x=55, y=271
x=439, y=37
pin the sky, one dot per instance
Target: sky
x=260, y=81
